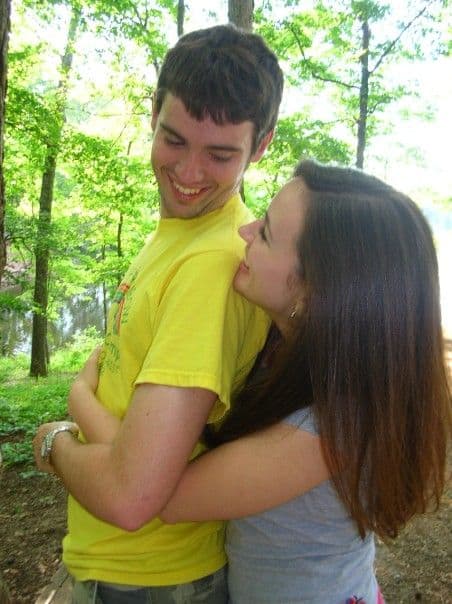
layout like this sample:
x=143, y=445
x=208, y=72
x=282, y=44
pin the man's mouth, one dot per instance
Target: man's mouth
x=187, y=191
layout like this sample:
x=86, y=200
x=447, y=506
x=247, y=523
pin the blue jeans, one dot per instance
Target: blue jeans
x=212, y=589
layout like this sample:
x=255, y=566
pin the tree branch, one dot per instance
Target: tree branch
x=314, y=74
x=394, y=42
x=373, y=108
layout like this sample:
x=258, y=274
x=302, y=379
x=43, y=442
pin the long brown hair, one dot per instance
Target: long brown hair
x=367, y=353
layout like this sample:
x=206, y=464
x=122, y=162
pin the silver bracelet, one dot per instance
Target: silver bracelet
x=47, y=441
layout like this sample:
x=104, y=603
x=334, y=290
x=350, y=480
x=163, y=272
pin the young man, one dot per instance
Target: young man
x=180, y=341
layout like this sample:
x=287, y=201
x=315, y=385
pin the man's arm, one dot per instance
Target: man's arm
x=129, y=481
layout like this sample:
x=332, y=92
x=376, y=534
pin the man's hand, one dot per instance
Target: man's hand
x=42, y=464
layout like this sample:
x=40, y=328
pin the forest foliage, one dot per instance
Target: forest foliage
x=86, y=123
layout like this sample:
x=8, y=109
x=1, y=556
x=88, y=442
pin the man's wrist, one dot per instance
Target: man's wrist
x=48, y=441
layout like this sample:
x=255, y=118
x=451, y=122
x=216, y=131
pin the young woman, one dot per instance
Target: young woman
x=341, y=431
x=343, y=434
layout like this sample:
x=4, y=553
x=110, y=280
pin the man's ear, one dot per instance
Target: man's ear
x=155, y=113
x=262, y=146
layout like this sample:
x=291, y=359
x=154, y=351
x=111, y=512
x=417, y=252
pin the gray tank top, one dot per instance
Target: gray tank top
x=305, y=551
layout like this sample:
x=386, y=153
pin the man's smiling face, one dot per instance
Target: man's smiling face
x=198, y=165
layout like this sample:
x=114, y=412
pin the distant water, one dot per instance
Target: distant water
x=76, y=314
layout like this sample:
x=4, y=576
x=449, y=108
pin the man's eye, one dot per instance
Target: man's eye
x=220, y=158
x=173, y=141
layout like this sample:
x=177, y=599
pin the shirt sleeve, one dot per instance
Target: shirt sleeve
x=303, y=419
x=200, y=326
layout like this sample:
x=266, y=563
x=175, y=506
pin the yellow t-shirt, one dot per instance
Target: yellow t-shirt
x=176, y=321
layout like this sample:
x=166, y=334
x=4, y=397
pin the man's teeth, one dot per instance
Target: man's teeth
x=186, y=191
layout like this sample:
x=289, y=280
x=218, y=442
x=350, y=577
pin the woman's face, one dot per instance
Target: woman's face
x=268, y=275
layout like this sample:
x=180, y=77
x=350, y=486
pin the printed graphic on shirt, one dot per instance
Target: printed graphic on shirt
x=120, y=298
x=122, y=302
x=118, y=316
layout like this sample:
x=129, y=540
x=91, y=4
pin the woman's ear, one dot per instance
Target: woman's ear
x=300, y=295
x=298, y=304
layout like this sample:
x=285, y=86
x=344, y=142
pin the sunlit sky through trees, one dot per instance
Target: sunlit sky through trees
x=413, y=154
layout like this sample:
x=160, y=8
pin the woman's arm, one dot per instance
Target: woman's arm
x=248, y=476
x=97, y=424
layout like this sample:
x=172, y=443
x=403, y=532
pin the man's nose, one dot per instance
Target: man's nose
x=189, y=168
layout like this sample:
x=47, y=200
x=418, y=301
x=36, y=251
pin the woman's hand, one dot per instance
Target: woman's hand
x=89, y=374
x=97, y=423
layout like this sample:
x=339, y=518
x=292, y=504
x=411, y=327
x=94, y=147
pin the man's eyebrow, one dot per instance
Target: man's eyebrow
x=224, y=148
x=230, y=148
x=267, y=224
x=171, y=131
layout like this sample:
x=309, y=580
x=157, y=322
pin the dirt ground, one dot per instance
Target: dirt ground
x=417, y=567
x=32, y=525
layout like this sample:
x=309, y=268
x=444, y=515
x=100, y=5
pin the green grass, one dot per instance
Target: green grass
x=26, y=402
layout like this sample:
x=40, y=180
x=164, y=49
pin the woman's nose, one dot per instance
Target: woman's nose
x=248, y=231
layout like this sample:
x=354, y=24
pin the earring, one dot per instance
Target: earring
x=293, y=314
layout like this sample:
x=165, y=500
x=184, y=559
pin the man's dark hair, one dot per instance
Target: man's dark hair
x=227, y=74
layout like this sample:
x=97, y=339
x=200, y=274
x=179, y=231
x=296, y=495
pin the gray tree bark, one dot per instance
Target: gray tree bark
x=363, y=96
x=39, y=347
x=5, y=12
x=180, y=18
x=240, y=12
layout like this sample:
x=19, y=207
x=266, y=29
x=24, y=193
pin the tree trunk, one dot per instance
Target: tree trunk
x=119, y=235
x=104, y=293
x=39, y=353
x=180, y=18
x=240, y=12
x=363, y=96
x=5, y=12
x=119, y=275
x=39, y=347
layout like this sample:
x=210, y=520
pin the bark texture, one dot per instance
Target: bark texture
x=180, y=18
x=5, y=12
x=363, y=96
x=39, y=346
x=240, y=12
